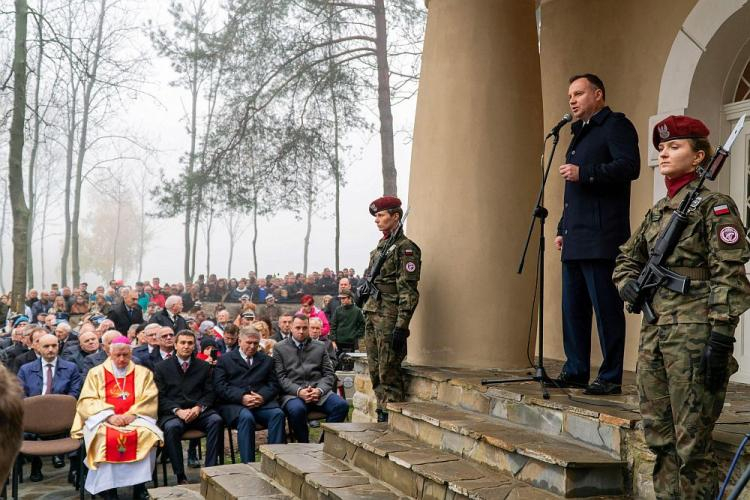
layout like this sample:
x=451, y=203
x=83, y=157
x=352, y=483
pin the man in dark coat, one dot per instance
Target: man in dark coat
x=126, y=313
x=601, y=162
x=170, y=315
x=246, y=386
x=186, y=398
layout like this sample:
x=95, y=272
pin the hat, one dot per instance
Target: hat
x=345, y=293
x=678, y=127
x=384, y=203
x=121, y=340
x=245, y=297
x=248, y=314
x=63, y=316
x=270, y=297
x=20, y=319
x=97, y=319
x=205, y=326
x=307, y=299
x=208, y=342
x=197, y=304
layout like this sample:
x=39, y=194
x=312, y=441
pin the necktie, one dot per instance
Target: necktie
x=249, y=362
x=169, y=355
x=185, y=366
x=130, y=313
x=49, y=379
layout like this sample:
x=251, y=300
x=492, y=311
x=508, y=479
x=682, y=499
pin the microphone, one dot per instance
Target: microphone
x=556, y=129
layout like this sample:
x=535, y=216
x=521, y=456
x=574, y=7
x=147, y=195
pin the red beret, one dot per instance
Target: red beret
x=307, y=299
x=384, y=203
x=678, y=127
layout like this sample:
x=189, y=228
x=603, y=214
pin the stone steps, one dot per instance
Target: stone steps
x=238, y=482
x=602, y=422
x=555, y=463
x=418, y=470
x=309, y=473
x=185, y=492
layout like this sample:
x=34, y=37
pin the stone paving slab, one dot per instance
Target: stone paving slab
x=238, y=482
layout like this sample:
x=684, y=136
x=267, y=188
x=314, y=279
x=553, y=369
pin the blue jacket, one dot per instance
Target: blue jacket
x=67, y=379
x=596, y=210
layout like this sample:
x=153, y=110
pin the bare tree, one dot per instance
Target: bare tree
x=236, y=225
x=15, y=160
x=2, y=232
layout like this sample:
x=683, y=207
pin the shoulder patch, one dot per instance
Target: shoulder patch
x=729, y=235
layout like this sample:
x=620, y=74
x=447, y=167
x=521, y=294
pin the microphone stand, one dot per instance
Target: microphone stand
x=541, y=213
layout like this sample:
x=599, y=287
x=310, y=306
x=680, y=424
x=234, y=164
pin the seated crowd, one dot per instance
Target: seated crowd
x=144, y=377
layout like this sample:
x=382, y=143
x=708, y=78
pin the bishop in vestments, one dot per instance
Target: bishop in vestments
x=116, y=416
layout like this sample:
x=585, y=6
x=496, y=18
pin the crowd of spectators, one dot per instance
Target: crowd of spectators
x=75, y=328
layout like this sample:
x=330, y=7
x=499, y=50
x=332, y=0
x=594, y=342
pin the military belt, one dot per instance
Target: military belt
x=694, y=273
x=384, y=288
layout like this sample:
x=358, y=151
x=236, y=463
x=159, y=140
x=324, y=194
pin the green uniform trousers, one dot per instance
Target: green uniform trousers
x=384, y=363
x=678, y=413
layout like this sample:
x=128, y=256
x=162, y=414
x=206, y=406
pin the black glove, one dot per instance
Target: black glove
x=398, y=339
x=630, y=292
x=715, y=361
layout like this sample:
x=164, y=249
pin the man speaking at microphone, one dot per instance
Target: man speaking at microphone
x=601, y=162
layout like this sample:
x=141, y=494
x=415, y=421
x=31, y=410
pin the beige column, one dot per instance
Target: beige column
x=474, y=175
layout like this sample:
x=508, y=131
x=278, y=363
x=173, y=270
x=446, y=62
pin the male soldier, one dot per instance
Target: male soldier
x=387, y=317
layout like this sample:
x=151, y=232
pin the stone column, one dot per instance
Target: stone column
x=474, y=175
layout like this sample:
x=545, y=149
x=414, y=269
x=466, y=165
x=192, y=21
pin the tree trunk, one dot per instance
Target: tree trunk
x=255, y=232
x=82, y=146
x=142, y=221
x=34, y=147
x=193, y=135
x=384, y=101
x=44, y=227
x=117, y=200
x=71, y=133
x=15, y=160
x=196, y=223
x=231, y=248
x=2, y=235
x=337, y=177
x=309, y=219
x=209, y=224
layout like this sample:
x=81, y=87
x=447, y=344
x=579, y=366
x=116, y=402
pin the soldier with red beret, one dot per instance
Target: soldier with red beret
x=685, y=358
x=387, y=316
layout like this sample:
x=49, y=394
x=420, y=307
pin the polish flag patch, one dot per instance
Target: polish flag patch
x=721, y=210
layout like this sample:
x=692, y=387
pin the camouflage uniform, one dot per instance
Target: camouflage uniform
x=397, y=283
x=678, y=412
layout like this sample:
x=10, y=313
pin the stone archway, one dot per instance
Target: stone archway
x=705, y=21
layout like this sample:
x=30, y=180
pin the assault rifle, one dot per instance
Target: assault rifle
x=654, y=274
x=367, y=288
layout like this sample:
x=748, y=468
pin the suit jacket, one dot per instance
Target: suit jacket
x=596, y=210
x=24, y=358
x=119, y=316
x=233, y=378
x=277, y=335
x=141, y=352
x=67, y=380
x=298, y=368
x=180, y=390
x=162, y=318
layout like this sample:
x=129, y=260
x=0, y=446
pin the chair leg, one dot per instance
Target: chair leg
x=200, y=449
x=14, y=481
x=164, y=469
x=231, y=444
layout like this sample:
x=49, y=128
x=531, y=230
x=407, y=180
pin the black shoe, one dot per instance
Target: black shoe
x=58, y=462
x=36, y=476
x=139, y=492
x=193, y=463
x=602, y=388
x=565, y=380
x=382, y=415
x=74, y=479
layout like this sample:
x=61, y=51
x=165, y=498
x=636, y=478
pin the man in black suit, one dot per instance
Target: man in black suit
x=165, y=349
x=150, y=342
x=126, y=313
x=246, y=386
x=601, y=162
x=170, y=315
x=284, y=328
x=185, y=400
x=37, y=332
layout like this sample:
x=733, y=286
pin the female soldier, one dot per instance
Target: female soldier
x=685, y=358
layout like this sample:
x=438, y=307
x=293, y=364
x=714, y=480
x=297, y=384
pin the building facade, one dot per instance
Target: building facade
x=494, y=80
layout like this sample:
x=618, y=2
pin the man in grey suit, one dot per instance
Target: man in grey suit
x=307, y=379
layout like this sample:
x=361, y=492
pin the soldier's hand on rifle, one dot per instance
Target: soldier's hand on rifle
x=630, y=292
x=398, y=339
x=715, y=360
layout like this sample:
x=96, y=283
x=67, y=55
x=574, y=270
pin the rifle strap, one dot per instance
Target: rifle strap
x=694, y=273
